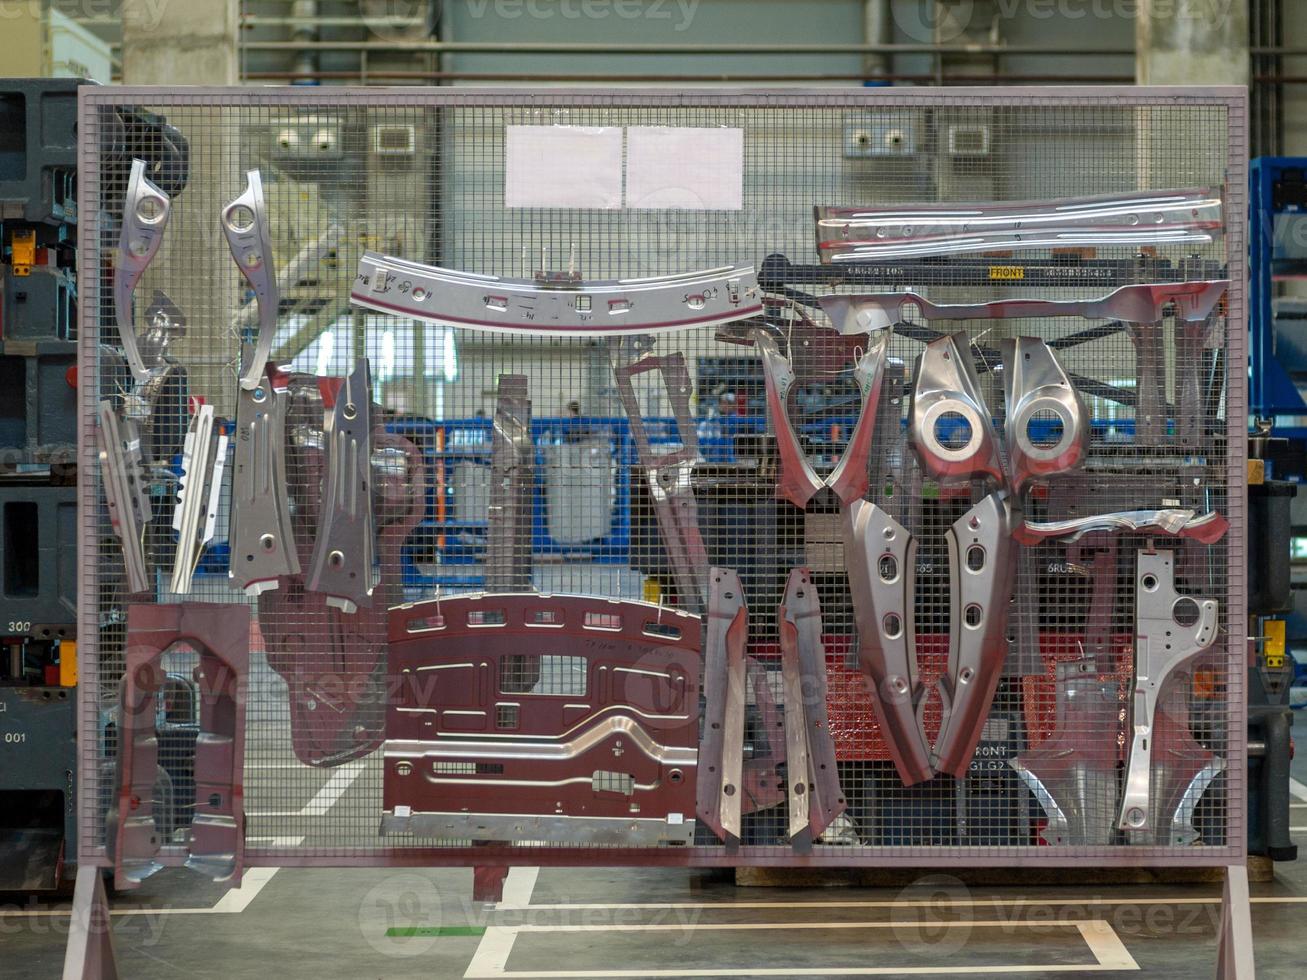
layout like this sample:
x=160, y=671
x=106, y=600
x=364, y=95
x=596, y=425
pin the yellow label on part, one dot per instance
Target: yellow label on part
x=1273, y=650
x=653, y=592
x=1256, y=472
x=67, y=663
x=1007, y=273
x=24, y=252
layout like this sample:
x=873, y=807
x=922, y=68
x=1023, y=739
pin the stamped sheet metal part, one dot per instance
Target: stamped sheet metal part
x=220, y=635
x=199, y=489
x=1175, y=522
x=1182, y=771
x=262, y=541
x=670, y=474
x=1047, y=425
x=145, y=216
x=342, y=563
x=720, y=789
x=1143, y=303
x=245, y=225
x=947, y=401
x=1167, y=217
x=567, y=306
x=982, y=562
x=126, y=493
x=512, y=486
x=881, y=558
x=515, y=709
x=1171, y=630
x=797, y=481
x=815, y=796
x=334, y=664
x=1073, y=773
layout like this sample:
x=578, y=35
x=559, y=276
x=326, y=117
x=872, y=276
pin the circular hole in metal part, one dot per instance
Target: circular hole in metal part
x=676, y=775
x=1135, y=817
x=800, y=788
x=898, y=685
x=252, y=259
x=695, y=302
x=267, y=542
x=403, y=768
x=965, y=674
x=139, y=247
x=1149, y=582
x=975, y=558
x=1185, y=612
x=259, y=395
x=952, y=430
x=888, y=568
x=729, y=595
x=350, y=411
x=728, y=790
x=973, y=615
x=889, y=533
x=336, y=559
x=892, y=625
x=215, y=800
x=240, y=219
x=419, y=293
x=1045, y=429
x=150, y=209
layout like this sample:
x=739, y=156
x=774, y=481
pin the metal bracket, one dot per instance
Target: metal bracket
x=725, y=669
x=245, y=226
x=671, y=474
x=1172, y=217
x=512, y=485
x=815, y=796
x=342, y=564
x=567, y=307
x=981, y=566
x=1171, y=630
x=1034, y=384
x=881, y=558
x=195, y=517
x=145, y=216
x=262, y=541
x=1205, y=529
x=220, y=635
x=126, y=493
x=947, y=385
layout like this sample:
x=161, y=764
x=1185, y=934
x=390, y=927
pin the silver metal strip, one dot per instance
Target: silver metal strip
x=145, y=216
x=262, y=542
x=126, y=492
x=245, y=226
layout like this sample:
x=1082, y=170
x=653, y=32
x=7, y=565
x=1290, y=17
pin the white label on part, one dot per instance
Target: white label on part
x=698, y=169
x=563, y=167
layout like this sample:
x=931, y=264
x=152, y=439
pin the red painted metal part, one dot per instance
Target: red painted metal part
x=335, y=664
x=220, y=635
x=482, y=723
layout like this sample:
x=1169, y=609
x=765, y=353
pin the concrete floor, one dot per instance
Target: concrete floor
x=665, y=923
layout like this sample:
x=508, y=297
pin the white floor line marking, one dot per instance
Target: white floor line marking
x=1108, y=952
x=496, y=945
x=1106, y=945
x=325, y=798
x=1297, y=789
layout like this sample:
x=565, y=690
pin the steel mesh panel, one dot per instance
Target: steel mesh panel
x=593, y=532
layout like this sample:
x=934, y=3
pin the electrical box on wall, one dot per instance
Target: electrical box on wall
x=889, y=133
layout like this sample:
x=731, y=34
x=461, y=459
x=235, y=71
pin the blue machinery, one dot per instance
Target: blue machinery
x=1277, y=250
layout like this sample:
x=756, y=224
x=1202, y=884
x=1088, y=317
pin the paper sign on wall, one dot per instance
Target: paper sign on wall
x=563, y=167
x=699, y=169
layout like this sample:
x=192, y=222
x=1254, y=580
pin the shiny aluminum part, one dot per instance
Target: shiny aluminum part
x=601, y=308
x=1036, y=388
x=720, y=790
x=518, y=828
x=262, y=541
x=947, y=386
x=1142, y=303
x=245, y=226
x=670, y=474
x=1175, y=522
x=302, y=267
x=797, y=481
x=982, y=563
x=342, y=564
x=851, y=477
x=146, y=209
x=126, y=493
x=1150, y=383
x=512, y=485
x=199, y=491
x=1168, y=217
x=1164, y=646
x=1073, y=773
x=815, y=796
x=881, y=558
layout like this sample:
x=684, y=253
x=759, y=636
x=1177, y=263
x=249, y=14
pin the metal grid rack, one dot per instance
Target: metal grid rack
x=336, y=173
